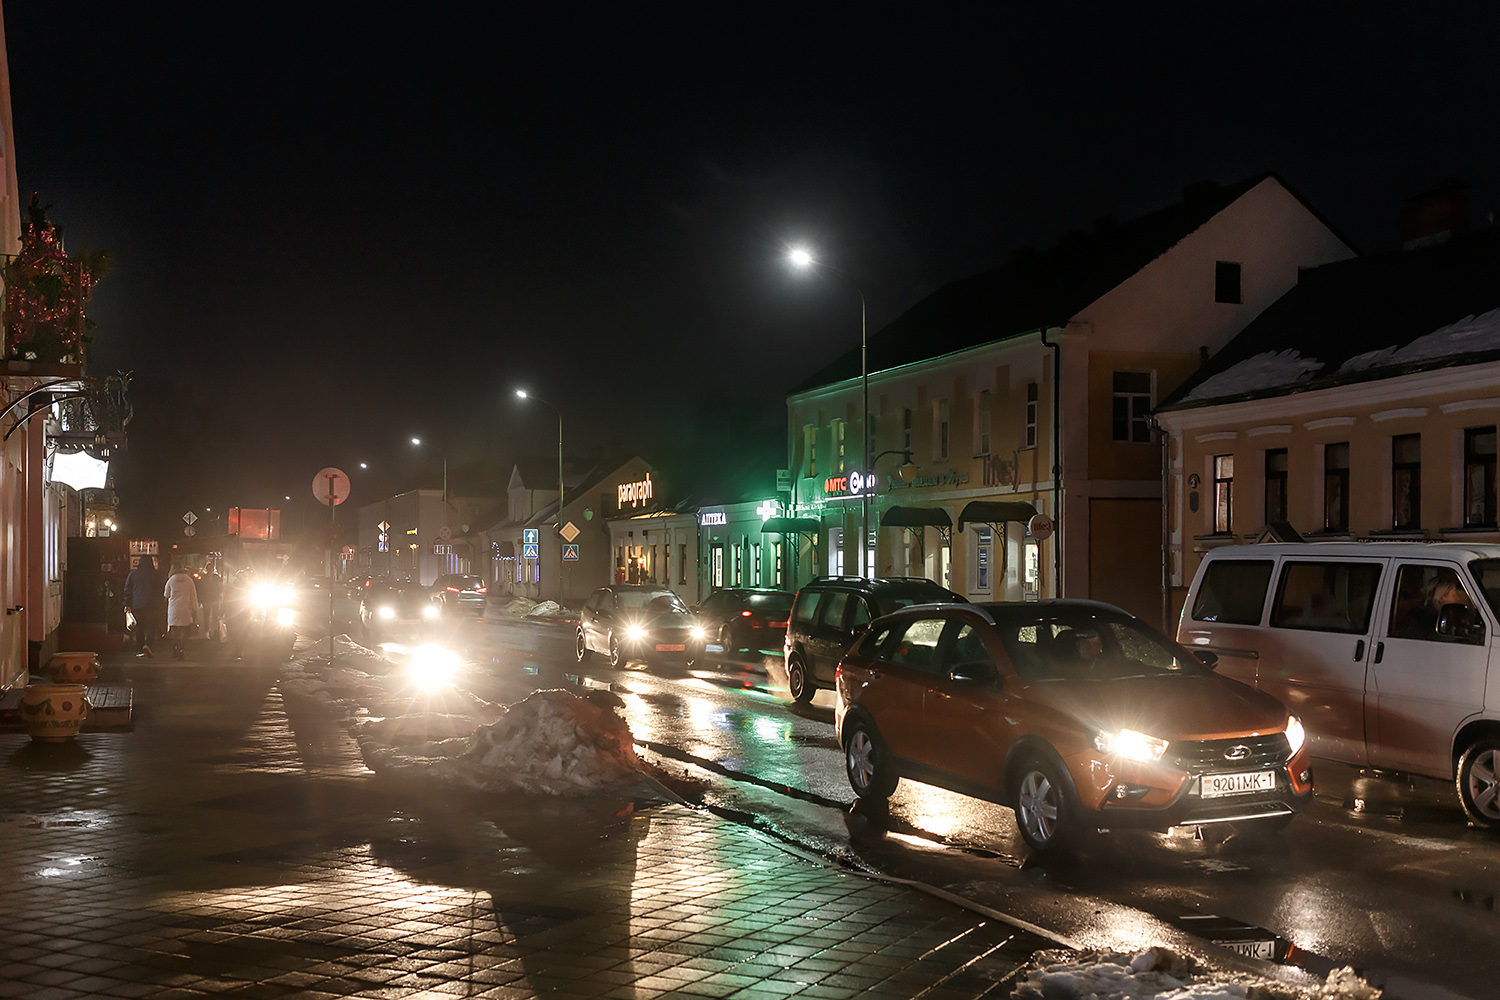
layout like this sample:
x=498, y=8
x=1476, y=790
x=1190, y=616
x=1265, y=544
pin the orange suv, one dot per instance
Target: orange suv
x=1075, y=714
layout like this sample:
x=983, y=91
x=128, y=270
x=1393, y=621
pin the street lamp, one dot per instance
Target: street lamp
x=418, y=443
x=802, y=259
x=523, y=394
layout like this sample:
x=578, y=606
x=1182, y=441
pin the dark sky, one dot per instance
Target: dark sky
x=334, y=230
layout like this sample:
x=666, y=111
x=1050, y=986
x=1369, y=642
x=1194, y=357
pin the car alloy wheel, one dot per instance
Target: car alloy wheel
x=865, y=762
x=726, y=640
x=796, y=679
x=1479, y=782
x=616, y=658
x=582, y=651
x=1043, y=811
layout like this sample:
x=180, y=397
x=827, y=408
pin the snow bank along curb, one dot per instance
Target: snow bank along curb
x=552, y=742
x=1166, y=975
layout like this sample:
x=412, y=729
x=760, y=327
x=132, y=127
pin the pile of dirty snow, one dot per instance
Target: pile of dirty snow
x=550, y=743
x=518, y=607
x=1165, y=975
x=524, y=607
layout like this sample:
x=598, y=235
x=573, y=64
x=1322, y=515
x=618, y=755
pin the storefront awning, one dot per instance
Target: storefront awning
x=995, y=512
x=791, y=526
x=915, y=517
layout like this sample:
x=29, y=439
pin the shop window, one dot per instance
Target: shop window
x=809, y=451
x=1479, y=477
x=1276, y=484
x=1406, y=481
x=839, y=464
x=1336, y=486
x=1031, y=411
x=1132, y=407
x=1223, y=493
x=906, y=429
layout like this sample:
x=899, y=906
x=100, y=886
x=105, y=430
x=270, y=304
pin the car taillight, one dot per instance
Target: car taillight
x=452, y=590
x=480, y=590
x=746, y=614
x=779, y=624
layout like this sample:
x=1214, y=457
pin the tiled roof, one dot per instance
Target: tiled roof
x=1034, y=290
x=1363, y=319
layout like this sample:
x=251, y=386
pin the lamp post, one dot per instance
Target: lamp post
x=524, y=394
x=803, y=260
x=448, y=562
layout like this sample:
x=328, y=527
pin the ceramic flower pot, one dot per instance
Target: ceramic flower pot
x=53, y=713
x=80, y=667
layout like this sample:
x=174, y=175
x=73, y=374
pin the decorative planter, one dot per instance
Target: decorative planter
x=53, y=713
x=80, y=667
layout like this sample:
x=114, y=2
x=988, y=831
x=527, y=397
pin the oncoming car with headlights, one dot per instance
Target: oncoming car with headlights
x=272, y=617
x=396, y=605
x=636, y=622
x=1075, y=714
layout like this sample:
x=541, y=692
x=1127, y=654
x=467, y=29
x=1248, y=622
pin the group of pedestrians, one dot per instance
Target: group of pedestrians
x=180, y=601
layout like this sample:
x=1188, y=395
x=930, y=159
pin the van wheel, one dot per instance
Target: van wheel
x=868, y=764
x=1046, y=809
x=796, y=679
x=616, y=658
x=582, y=650
x=1479, y=782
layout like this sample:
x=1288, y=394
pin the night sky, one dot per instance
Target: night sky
x=332, y=232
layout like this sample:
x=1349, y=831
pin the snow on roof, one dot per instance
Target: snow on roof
x=1264, y=371
x=1468, y=336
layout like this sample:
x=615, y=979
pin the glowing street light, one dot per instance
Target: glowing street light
x=417, y=442
x=802, y=259
x=523, y=394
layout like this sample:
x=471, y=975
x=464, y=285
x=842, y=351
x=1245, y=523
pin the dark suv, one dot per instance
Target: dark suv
x=831, y=612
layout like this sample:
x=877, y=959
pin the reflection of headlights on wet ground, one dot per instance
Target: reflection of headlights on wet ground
x=635, y=633
x=285, y=616
x=432, y=666
x=431, y=611
x=386, y=612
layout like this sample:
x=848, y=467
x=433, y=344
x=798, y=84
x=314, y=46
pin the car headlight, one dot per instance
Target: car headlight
x=431, y=611
x=697, y=632
x=386, y=611
x=285, y=616
x=1296, y=736
x=1131, y=745
x=635, y=633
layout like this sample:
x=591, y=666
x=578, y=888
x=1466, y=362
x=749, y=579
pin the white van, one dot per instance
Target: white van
x=1384, y=649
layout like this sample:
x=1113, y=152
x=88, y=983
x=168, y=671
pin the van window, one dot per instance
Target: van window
x=1233, y=591
x=1422, y=593
x=807, y=607
x=1487, y=573
x=1326, y=596
x=833, y=608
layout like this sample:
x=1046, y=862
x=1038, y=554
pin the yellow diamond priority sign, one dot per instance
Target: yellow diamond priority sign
x=569, y=531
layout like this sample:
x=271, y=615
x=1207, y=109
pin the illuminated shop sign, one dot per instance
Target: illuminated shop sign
x=850, y=484
x=713, y=517
x=635, y=494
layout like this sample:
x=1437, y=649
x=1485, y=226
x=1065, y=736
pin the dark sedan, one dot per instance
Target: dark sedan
x=382, y=608
x=629, y=622
x=460, y=592
x=744, y=619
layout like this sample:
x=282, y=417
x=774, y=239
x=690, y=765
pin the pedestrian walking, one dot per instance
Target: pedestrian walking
x=211, y=596
x=143, y=595
x=181, y=595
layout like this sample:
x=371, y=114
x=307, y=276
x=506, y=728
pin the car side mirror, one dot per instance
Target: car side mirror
x=1460, y=621
x=978, y=672
x=1207, y=657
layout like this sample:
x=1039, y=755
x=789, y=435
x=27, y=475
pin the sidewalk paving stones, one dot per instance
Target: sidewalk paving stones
x=224, y=847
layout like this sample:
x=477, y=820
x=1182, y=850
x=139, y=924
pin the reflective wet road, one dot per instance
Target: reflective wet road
x=1377, y=874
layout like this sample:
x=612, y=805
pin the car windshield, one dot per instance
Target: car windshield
x=1487, y=575
x=650, y=600
x=1079, y=644
x=771, y=602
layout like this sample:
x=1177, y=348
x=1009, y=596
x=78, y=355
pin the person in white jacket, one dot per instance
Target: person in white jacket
x=182, y=606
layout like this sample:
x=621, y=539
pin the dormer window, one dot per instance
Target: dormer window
x=1227, y=282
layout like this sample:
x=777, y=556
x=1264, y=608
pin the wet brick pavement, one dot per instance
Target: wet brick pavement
x=225, y=848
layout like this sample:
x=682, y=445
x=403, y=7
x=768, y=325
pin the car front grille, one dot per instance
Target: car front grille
x=1250, y=753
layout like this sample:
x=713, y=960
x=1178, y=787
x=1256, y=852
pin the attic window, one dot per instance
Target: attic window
x=1227, y=282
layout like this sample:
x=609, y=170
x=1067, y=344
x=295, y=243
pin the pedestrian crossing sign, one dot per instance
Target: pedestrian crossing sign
x=530, y=551
x=570, y=553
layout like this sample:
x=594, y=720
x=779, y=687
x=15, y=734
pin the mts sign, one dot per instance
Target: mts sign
x=849, y=484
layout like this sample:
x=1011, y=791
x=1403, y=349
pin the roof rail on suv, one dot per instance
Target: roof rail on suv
x=846, y=576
